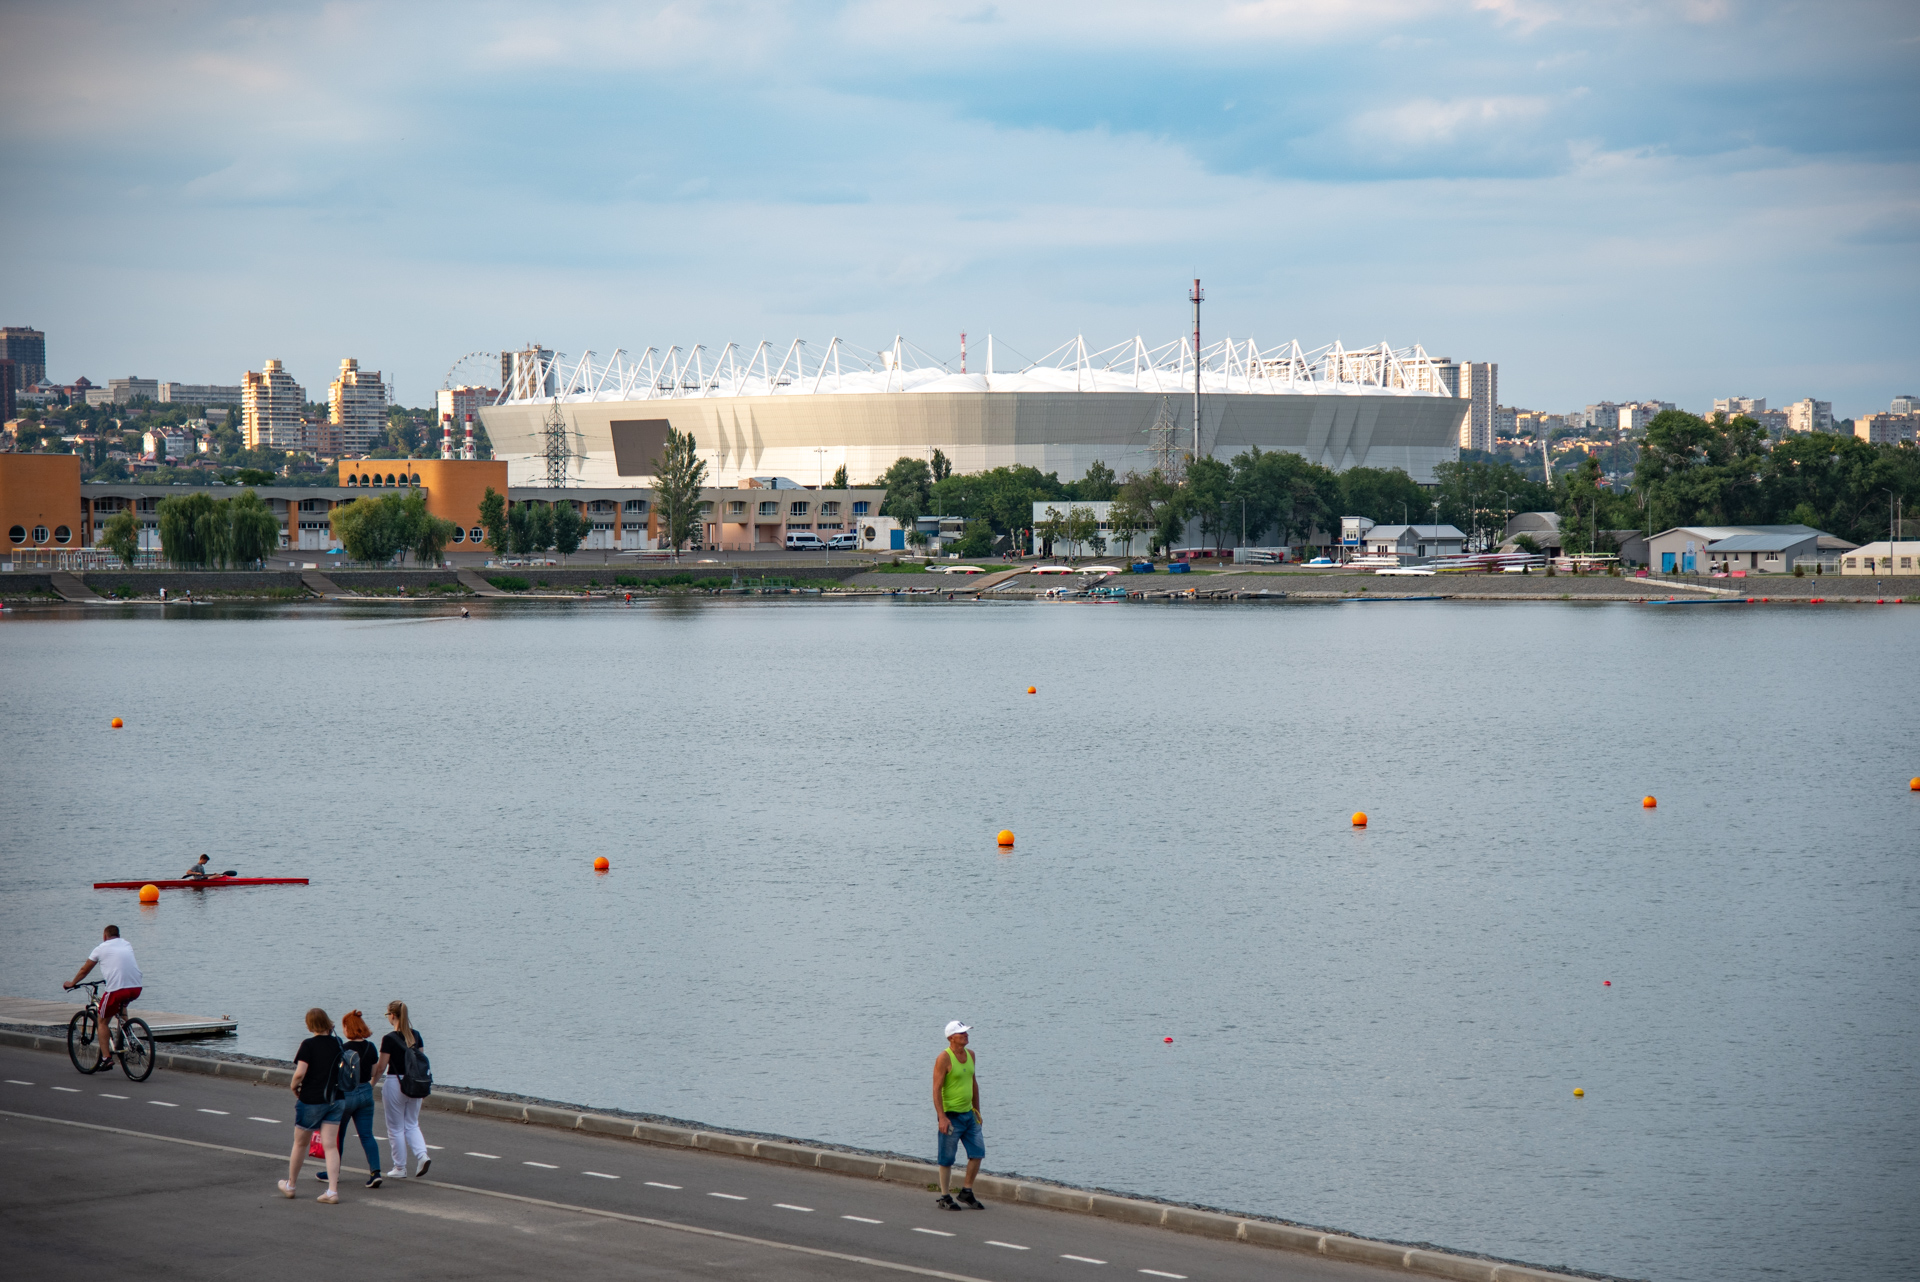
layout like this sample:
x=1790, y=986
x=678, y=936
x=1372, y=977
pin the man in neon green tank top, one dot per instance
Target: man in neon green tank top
x=956, y=1102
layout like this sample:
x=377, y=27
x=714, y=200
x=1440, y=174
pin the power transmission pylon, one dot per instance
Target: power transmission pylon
x=1166, y=455
x=558, y=450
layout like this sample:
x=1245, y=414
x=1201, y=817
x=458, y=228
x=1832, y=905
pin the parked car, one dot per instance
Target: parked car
x=804, y=541
x=844, y=542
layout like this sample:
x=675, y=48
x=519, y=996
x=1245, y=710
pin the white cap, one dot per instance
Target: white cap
x=955, y=1026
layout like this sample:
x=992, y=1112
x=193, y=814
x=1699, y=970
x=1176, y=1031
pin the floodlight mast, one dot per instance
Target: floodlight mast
x=1196, y=297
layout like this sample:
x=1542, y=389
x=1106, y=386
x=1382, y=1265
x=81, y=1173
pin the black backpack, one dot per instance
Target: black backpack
x=346, y=1073
x=416, y=1074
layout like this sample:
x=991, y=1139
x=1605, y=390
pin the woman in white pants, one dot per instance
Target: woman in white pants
x=402, y=1112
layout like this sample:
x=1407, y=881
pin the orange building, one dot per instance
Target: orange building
x=40, y=503
x=454, y=486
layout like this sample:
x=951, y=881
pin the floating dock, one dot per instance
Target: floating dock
x=53, y=1017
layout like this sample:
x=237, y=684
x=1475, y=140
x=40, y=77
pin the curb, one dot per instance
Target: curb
x=1427, y=1261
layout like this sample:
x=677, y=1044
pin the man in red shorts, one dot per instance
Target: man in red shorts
x=122, y=975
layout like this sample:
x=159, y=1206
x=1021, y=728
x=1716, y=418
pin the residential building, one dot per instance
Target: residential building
x=27, y=349
x=174, y=443
x=1636, y=415
x=1480, y=386
x=127, y=390
x=356, y=411
x=1887, y=557
x=1446, y=372
x=1603, y=414
x=454, y=405
x=1414, y=542
x=207, y=396
x=1810, y=416
x=529, y=374
x=9, y=389
x=1537, y=422
x=1889, y=428
x=1906, y=404
x=1773, y=422
x=1505, y=418
x=271, y=403
x=99, y=396
x=1734, y=406
x=1748, y=549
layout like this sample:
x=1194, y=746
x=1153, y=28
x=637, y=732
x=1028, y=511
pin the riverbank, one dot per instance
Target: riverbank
x=1423, y=1259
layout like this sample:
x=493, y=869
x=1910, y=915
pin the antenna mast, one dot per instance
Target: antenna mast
x=1196, y=297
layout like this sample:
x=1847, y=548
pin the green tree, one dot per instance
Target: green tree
x=569, y=527
x=520, y=529
x=540, y=526
x=1125, y=520
x=253, y=532
x=1081, y=527
x=942, y=466
x=1479, y=496
x=1049, y=530
x=121, y=536
x=493, y=520
x=427, y=535
x=839, y=478
x=1209, y=486
x=678, y=474
x=1386, y=496
x=1003, y=496
x=909, y=486
x=371, y=530
x=976, y=542
x=192, y=533
x=1586, y=506
x=1098, y=485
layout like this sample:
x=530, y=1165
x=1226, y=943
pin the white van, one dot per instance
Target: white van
x=804, y=541
x=850, y=542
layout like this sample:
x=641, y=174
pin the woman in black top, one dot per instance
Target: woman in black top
x=313, y=1070
x=359, y=1101
x=402, y=1112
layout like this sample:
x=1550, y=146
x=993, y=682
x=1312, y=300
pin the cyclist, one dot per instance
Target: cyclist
x=122, y=975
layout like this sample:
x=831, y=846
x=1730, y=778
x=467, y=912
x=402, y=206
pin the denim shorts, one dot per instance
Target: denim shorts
x=311, y=1117
x=962, y=1128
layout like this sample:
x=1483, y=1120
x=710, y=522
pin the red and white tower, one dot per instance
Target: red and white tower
x=466, y=451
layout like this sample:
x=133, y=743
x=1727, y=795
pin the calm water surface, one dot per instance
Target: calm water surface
x=1378, y=1031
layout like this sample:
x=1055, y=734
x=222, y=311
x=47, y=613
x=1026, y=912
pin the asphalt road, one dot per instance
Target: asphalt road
x=174, y=1177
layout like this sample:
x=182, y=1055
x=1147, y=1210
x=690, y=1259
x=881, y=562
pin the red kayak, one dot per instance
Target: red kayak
x=195, y=883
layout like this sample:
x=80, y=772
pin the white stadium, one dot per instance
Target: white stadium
x=805, y=410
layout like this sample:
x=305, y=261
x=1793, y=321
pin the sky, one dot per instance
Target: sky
x=1612, y=199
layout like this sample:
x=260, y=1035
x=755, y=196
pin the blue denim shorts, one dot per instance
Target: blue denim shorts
x=963, y=1128
x=311, y=1117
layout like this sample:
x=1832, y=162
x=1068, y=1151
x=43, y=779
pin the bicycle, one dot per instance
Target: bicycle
x=136, y=1039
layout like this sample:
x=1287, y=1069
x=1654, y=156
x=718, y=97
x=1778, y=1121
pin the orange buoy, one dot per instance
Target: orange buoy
x=1913, y=785
x=118, y=723
x=1031, y=690
x=1006, y=836
x=1648, y=802
x=601, y=864
x=149, y=894
x=1359, y=818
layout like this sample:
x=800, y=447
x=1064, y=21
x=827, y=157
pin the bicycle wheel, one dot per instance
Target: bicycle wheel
x=136, y=1055
x=80, y=1048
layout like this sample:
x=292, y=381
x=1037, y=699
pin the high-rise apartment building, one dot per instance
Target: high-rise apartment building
x=27, y=349
x=529, y=373
x=356, y=411
x=1734, y=406
x=1907, y=404
x=1887, y=428
x=1480, y=386
x=1601, y=414
x=455, y=403
x=1637, y=414
x=9, y=391
x=1810, y=415
x=125, y=391
x=270, y=405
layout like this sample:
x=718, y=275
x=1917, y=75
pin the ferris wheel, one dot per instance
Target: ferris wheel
x=475, y=369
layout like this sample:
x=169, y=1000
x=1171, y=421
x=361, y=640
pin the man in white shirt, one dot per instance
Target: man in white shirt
x=121, y=974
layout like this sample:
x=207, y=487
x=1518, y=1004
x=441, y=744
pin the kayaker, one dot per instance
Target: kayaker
x=123, y=983
x=199, y=870
x=956, y=1102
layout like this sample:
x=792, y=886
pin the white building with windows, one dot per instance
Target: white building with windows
x=1480, y=388
x=1414, y=542
x=356, y=410
x=207, y=396
x=1810, y=415
x=270, y=407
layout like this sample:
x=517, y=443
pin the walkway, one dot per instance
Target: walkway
x=71, y=588
x=471, y=580
x=319, y=583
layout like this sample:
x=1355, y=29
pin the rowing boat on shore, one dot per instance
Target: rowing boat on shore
x=201, y=883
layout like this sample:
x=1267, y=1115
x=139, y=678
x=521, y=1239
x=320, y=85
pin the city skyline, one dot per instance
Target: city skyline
x=1604, y=200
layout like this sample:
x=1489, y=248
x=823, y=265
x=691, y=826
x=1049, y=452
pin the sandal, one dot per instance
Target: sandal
x=329, y=1197
x=286, y=1188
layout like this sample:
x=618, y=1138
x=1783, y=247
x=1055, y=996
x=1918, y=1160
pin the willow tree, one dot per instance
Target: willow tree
x=678, y=474
x=253, y=532
x=121, y=536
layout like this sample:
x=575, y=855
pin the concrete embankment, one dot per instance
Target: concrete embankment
x=1416, y=1258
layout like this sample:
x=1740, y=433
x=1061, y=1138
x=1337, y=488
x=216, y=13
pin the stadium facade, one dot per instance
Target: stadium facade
x=806, y=410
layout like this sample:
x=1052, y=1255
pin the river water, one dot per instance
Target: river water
x=1377, y=1031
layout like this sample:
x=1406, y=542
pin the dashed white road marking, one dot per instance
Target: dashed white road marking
x=600, y=1175
x=14, y=1081
x=217, y=1112
x=491, y=1157
x=656, y=1184
x=105, y=1095
x=1083, y=1259
x=162, y=1103
x=1156, y=1273
x=861, y=1219
x=436, y=1147
x=270, y=1121
x=731, y=1197
x=1011, y=1246
x=545, y=1166
x=71, y=1090
x=788, y=1206
x=934, y=1232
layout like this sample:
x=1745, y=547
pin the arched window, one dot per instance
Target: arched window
x=18, y=534
x=352, y=481
x=391, y=480
x=62, y=534
x=414, y=479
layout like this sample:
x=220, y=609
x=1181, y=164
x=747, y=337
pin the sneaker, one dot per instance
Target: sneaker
x=321, y=1175
x=425, y=1162
x=373, y=1180
x=329, y=1197
x=966, y=1198
x=286, y=1188
x=397, y=1173
x=945, y=1202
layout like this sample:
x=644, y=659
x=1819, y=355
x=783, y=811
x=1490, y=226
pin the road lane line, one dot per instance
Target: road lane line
x=656, y=1184
x=1011, y=1246
x=162, y=1103
x=71, y=1090
x=217, y=1112
x=670, y=1225
x=600, y=1175
x=436, y=1147
x=545, y=1166
x=861, y=1219
x=1156, y=1273
x=14, y=1081
x=270, y=1121
x=104, y=1095
x=934, y=1232
x=731, y=1197
x=1083, y=1259
x=788, y=1206
x=491, y=1157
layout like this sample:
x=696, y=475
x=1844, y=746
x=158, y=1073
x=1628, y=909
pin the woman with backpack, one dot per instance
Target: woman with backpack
x=359, y=1102
x=405, y=1069
x=319, y=1103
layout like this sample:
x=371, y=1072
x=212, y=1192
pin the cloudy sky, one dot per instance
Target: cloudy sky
x=1611, y=198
